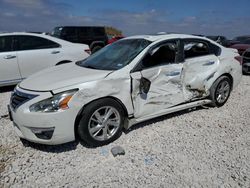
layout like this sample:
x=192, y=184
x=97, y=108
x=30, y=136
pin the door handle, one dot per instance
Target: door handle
x=208, y=63
x=55, y=52
x=9, y=57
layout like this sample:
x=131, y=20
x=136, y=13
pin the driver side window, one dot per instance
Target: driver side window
x=163, y=54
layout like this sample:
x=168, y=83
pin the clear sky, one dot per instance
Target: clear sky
x=210, y=17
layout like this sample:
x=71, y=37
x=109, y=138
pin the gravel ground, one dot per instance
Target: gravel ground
x=206, y=147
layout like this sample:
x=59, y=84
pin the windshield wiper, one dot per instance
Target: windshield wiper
x=89, y=66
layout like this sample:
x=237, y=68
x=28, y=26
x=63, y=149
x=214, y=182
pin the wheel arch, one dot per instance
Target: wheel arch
x=230, y=77
x=96, y=43
x=78, y=117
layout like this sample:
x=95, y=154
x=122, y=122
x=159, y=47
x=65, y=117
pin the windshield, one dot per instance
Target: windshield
x=116, y=55
x=57, y=32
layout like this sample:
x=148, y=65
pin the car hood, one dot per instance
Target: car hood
x=61, y=76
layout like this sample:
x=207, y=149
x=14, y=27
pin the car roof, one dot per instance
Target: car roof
x=154, y=38
x=37, y=35
x=22, y=33
x=79, y=27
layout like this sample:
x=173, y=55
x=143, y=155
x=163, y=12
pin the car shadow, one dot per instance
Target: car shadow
x=51, y=148
x=61, y=148
x=162, y=118
x=7, y=89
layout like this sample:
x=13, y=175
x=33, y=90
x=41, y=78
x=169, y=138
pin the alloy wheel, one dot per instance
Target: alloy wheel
x=104, y=123
x=223, y=91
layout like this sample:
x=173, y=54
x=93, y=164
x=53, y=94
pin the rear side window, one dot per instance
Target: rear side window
x=5, y=44
x=57, y=32
x=195, y=49
x=214, y=49
x=33, y=43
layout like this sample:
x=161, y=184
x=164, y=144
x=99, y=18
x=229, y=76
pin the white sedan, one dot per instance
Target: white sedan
x=22, y=54
x=129, y=81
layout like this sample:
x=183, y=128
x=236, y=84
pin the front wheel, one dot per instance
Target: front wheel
x=101, y=122
x=220, y=91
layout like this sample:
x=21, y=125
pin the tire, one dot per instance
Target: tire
x=96, y=48
x=101, y=122
x=220, y=91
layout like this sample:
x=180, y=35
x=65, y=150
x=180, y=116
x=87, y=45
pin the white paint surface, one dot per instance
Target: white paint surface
x=171, y=85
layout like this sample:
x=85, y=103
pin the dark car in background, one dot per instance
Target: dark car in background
x=246, y=62
x=222, y=40
x=94, y=36
x=242, y=43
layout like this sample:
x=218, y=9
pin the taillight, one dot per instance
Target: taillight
x=88, y=51
x=239, y=59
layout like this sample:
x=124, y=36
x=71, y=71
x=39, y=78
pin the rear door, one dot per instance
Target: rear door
x=199, y=67
x=36, y=53
x=9, y=71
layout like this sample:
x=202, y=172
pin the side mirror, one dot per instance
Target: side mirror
x=144, y=85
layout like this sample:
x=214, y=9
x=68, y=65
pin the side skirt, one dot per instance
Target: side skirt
x=133, y=121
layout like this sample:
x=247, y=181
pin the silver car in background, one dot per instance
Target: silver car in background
x=22, y=54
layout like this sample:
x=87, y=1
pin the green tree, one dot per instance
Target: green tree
x=113, y=31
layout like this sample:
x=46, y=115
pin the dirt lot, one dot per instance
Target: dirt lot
x=207, y=147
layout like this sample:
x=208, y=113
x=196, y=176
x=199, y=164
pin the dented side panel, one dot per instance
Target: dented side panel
x=196, y=75
x=112, y=86
x=165, y=90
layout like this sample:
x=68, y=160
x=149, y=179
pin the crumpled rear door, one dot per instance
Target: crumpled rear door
x=196, y=74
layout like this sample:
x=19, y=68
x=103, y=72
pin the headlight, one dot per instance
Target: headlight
x=55, y=103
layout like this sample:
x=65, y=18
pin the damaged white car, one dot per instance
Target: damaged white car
x=130, y=81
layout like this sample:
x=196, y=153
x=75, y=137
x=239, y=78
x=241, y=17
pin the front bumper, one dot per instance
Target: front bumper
x=45, y=128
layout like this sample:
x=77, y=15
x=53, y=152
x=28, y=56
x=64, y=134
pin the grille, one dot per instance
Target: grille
x=18, y=98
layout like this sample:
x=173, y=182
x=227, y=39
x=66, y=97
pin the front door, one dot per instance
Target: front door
x=9, y=70
x=157, y=85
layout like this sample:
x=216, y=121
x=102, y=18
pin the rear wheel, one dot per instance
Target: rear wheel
x=96, y=48
x=220, y=91
x=101, y=122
